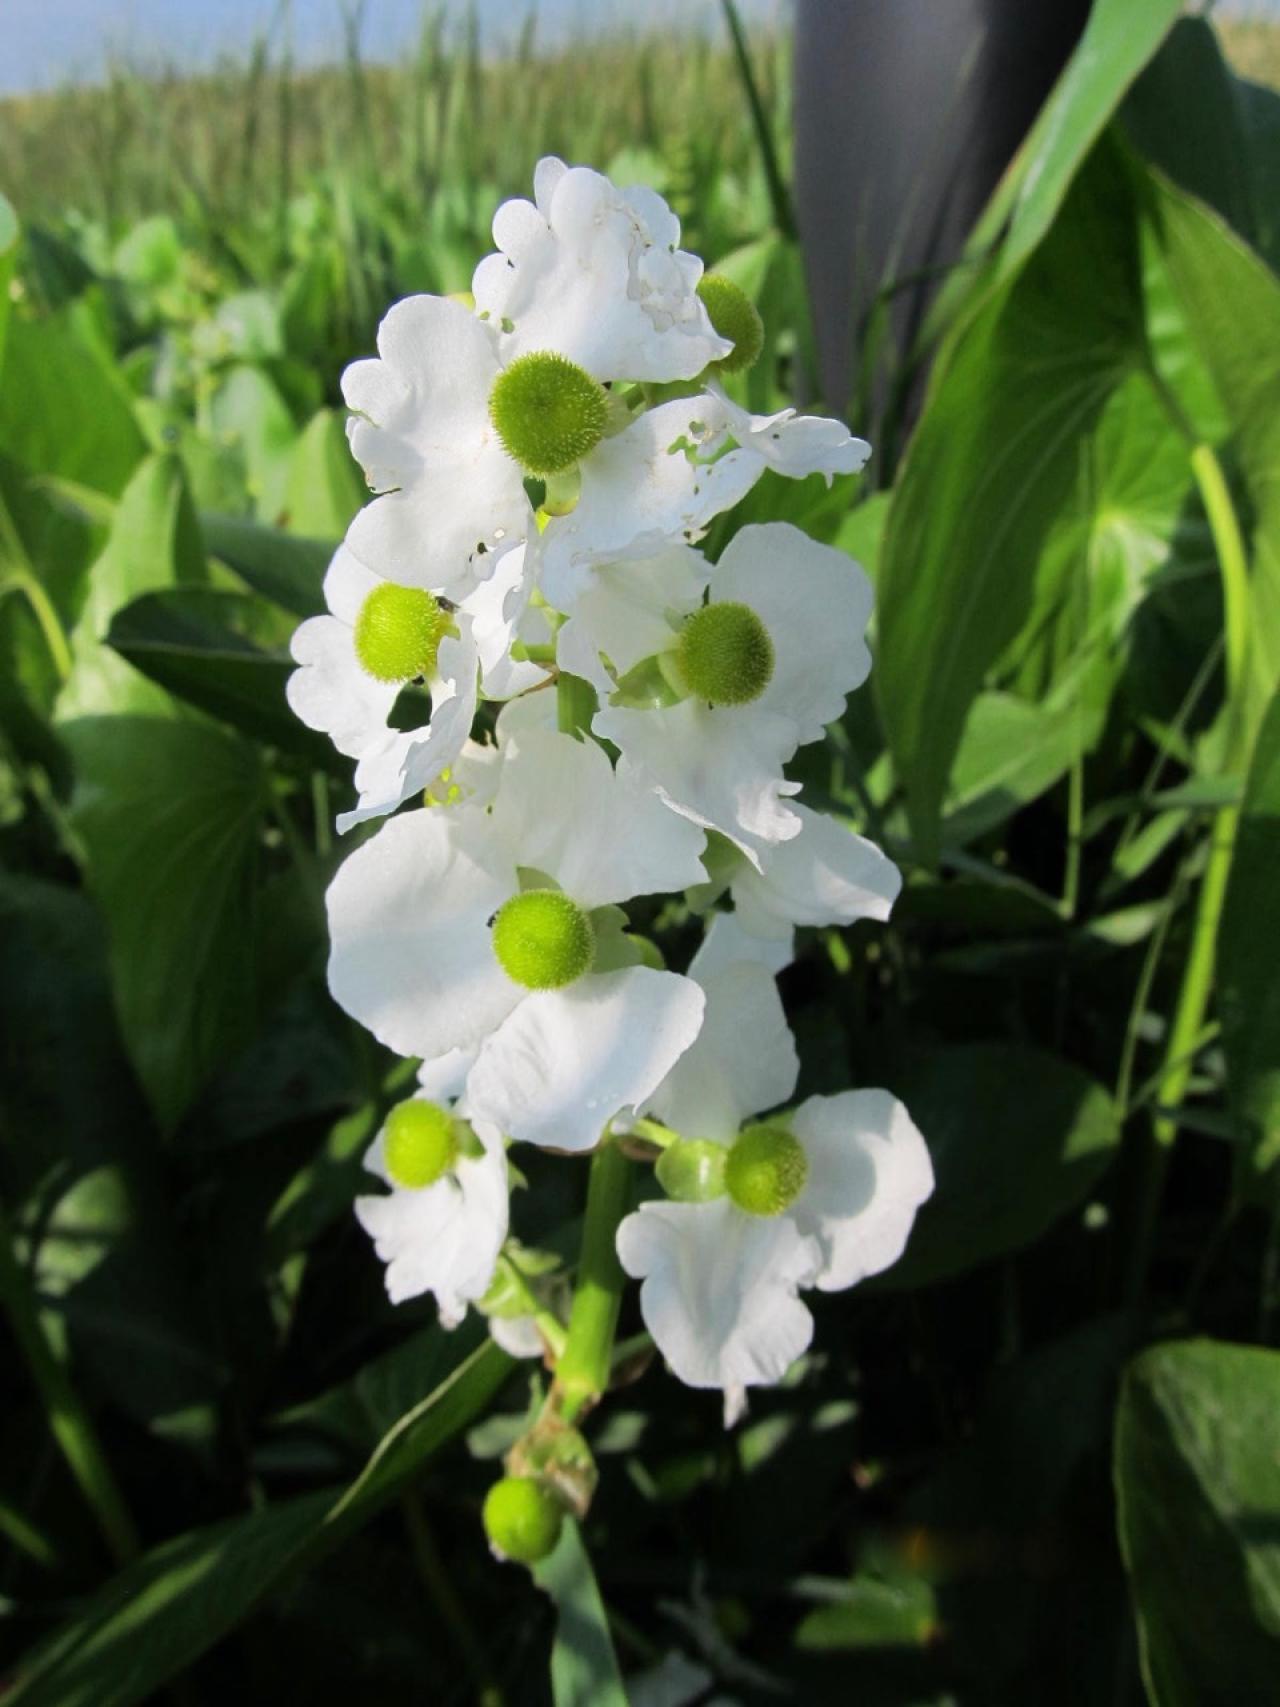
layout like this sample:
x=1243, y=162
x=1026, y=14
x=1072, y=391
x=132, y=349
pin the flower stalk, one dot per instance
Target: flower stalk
x=582, y=1376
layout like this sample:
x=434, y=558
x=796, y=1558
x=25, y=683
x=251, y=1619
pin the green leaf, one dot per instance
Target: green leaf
x=1119, y=38
x=584, y=1667
x=1198, y=1489
x=248, y=410
x=874, y=1613
x=154, y=1619
x=1231, y=303
x=1018, y=1137
x=993, y=465
x=1214, y=134
x=154, y=542
x=1011, y=752
x=280, y=566
x=196, y=642
x=169, y=812
x=8, y=260
x=325, y=487
x=63, y=409
x=1248, y=988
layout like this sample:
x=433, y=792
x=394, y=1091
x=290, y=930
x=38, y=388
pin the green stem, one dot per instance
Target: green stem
x=583, y=1373
x=1197, y=978
x=68, y=1419
x=23, y=581
x=549, y=1326
x=783, y=217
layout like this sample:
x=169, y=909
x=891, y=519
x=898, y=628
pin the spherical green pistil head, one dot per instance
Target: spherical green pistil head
x=733, y=314
x=766, y=1170
x=521, y=1519
x=725, y=654
x=398, y=633
x=548, y=412
x=543, y=940
x=419, y=1144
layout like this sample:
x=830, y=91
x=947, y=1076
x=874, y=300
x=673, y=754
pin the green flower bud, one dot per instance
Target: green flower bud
x=548, y=412
x=734, y=315
x=543, y=940
x=765, y=1170
x=521, y=1519
x=398, y=633
x=692, y=1170
x=419, y=1143
x=725, y=654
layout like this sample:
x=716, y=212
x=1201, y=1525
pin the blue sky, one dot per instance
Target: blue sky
x=47, y=42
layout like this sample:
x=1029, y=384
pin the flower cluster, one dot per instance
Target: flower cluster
x=544, y=461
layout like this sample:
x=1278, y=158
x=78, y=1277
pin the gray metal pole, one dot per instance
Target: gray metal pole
x=906, y=113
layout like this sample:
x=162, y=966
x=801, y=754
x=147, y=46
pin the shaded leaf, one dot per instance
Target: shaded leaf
x=584, y=1667
x=169, y=813
x=1198, y=1485
x=280, y=566
x=1018, y=1137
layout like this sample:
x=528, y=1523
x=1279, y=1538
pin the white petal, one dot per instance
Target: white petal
x=589, y=272
x=742, y=1062
x=443, y=1079
x=428, y=444
x=727, y=942
x=517, y=1335
x=347, y=584
x=791, y=444
x=411, y=956
x=640, y=494
x=567, y=1061
x=721, y=768
x=629, y=612
x=719, y=1292
x=869, y=1171
x=443, y=1238
x=332, y=693
x=826, y=875
x=497, y=609
x=815, y=601
x=411, y=760
x=602, y=836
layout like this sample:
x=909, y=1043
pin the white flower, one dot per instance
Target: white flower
x=827, y=875
x=517, y=1335
x=449, y=493
x=790, y=444
x=596, y=273
x=564, y=1043
x=626, y=614
x=442, y=1237
x=726, y=942
x=822, y=1197
x=720, y=765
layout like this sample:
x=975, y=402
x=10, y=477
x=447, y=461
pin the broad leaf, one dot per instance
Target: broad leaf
x=169, y=812
x=152, y=1620
x=280, y=566
x=198, y=644
x=1231, y=303
x=325, y=487
x=63, y=410
x=154, y=542
x=1018, y=1137
x=1198, y=1485
x=1015, y=400
x=248, y=410
x=1248, y=988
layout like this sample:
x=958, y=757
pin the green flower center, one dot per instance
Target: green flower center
x=398, y=633
x=733, y=314
x=766, y=1170
x=522, y=1519
x=543, y=940
x=548, y=412
x=725, y=654
x=420, y=1144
